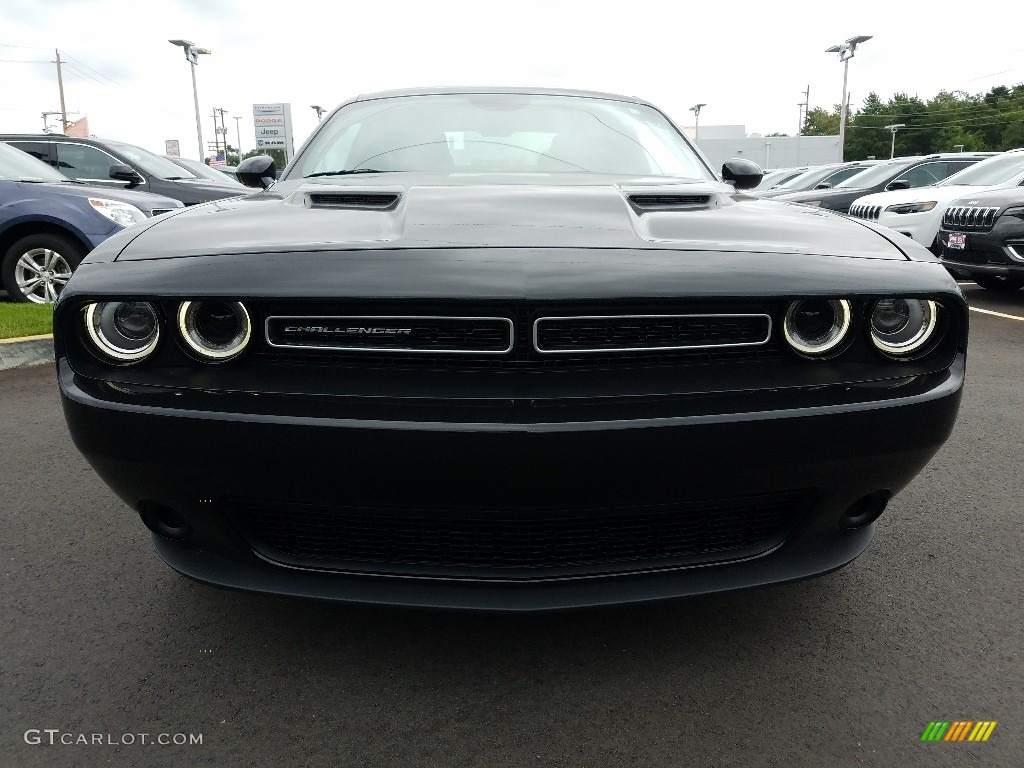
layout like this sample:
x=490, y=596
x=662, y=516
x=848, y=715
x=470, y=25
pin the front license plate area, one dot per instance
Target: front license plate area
x=957, y=241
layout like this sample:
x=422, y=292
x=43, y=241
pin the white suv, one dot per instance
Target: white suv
x=917, y=213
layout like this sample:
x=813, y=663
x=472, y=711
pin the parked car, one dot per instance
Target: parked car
x=587, y=372
x=982, y=238
x=48, y=224
x=218, y=175
x=821, y=177
x=116, y=165
x=917, y=213
x=901, y=173
x=778, y=175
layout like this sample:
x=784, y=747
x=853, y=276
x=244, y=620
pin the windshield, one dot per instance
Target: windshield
x=152, y=164
x=505, y=133
x=994, y=170
x=805, y=178
x=204, y=171
x=872, y=176
x=16, y=165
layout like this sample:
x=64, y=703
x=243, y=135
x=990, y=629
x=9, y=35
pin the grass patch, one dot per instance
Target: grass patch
x=25, y=319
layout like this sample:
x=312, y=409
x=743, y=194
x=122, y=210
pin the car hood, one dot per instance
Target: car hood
x=991, y=198
x=920, y=195
x=819, y=194
x=144, y=201
x=412, y=211
x=210, y=189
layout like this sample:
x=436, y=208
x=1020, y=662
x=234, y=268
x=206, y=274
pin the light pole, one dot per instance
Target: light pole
x=894, y=127
x=958, y=147
x=319, y=111
x=192, y=54
x=696, y=120
x=238, y=133
x=845, y=51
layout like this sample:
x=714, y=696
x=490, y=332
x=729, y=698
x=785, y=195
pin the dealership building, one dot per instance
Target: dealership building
x=721, y=142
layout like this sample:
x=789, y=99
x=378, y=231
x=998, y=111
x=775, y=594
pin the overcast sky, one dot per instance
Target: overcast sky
x=748, y=61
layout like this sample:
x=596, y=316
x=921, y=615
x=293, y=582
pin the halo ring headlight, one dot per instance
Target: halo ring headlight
x=123, y=331
x=815, y=327
x=215, y=331
x=900, y=327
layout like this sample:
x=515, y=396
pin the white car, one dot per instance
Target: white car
x=917, y=213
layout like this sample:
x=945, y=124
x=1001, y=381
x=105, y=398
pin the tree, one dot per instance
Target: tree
x=818, y=122
x=277, y=154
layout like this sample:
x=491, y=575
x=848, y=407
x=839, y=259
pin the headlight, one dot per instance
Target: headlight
x=902, y=326
x=1017, y=210
x=816, y=326
x=214, y=330
x=814, y=203
x=911, y=207
x=119, y=213
x=125, y=331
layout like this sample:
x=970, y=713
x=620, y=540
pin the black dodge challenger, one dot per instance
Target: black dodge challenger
x=507, y=349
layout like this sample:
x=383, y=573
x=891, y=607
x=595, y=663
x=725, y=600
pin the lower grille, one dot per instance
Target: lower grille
x=529, y=543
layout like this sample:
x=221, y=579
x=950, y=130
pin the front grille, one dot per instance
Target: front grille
x=611, y=333
x=870, y=212
x=392, y=333
x=504, y=543
x=743, y=323
x=969, y=217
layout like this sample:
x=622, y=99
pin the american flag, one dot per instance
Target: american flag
x=218, y=159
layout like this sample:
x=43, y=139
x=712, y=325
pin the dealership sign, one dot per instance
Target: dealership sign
x=272, y=125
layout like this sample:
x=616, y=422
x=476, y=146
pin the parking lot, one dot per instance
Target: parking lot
x=847, y=669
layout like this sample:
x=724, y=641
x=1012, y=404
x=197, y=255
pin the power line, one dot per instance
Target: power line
x=94, y=71
x=84, y=75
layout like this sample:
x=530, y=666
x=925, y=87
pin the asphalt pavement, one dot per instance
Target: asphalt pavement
x=99, y=637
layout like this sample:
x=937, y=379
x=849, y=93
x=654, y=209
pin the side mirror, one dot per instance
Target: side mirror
x=824, y=185
x=123, y=172
x=898, y=184
x=257, y=171
x=741, y=173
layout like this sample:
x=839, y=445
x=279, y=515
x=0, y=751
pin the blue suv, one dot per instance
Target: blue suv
x=49, y=223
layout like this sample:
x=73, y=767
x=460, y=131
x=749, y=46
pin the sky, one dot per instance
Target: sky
x=749, y=62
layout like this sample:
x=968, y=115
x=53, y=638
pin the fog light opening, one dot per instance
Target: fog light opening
x=865, y=510
x=164, y=521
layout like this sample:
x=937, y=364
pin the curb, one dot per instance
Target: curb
x=26, y=351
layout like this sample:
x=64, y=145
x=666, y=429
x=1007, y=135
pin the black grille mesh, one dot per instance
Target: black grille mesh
x=597, y=333
x=375, y=538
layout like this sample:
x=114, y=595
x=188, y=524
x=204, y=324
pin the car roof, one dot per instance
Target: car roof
x=476, y=89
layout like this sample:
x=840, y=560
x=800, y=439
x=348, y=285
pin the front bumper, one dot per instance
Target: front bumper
x=196, y=462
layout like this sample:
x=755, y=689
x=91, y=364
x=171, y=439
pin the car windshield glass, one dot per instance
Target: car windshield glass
x=807, y=177
x=994, y=170
x=16, y=165
x=872, y=176
x=504, y=133
x=150, y=163
x=204, y=171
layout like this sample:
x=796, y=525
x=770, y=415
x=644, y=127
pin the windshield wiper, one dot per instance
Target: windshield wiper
x=345, y=173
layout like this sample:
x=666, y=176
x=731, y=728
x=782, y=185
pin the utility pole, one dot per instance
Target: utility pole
x=216, y=134
x=60, y=87
x=238, y=133
x=223, y=131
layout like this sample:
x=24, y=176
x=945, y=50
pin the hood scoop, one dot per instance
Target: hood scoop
x=365, y=201
x=669, y=202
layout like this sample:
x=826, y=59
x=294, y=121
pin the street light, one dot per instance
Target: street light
x=958, y=147
x=192, y=54
x=894, y=127
x=845, y=51
x=319, y=111
x=696, y=120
